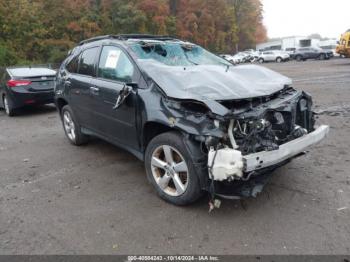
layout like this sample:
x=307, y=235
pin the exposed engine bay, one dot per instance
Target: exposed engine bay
x=259, y=125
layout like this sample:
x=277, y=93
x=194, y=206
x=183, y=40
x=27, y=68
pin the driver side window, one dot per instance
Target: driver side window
x=115, y=65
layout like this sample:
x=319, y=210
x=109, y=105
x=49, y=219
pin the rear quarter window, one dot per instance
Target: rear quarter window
x=72, y=66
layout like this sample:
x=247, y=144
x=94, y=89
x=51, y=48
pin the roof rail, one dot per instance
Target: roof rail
x=145, y=36
x=126, y=37
x=97, y=38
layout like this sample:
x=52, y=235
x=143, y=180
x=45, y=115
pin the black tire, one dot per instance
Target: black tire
x=79, y=137
x=8, y=106
x=279, y=60
x=299, y=58
x=193, y=190
x=322, y=56
x=261, y=60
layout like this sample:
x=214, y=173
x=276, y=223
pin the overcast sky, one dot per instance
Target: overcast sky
x=305, y=17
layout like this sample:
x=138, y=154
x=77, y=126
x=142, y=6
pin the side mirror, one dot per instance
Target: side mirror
x=124, y=93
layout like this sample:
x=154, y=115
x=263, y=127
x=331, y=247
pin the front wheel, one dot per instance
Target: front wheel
x=72, y=128
x=261, y=60
x=322, y=57
x=170, y=169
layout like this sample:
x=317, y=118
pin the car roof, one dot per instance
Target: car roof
x=123, y=40
x=30, y=72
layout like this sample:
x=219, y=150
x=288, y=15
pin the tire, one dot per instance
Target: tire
x=72, y=128
x=322, y=57
x=261, y=60
x=8, y=107
x=279, y=60
x=299, y=58
x=176, y=187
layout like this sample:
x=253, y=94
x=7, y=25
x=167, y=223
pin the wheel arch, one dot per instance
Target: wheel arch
x=152, y=129
x=60, y=103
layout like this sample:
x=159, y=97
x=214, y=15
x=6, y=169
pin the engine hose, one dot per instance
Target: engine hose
x=230, y=134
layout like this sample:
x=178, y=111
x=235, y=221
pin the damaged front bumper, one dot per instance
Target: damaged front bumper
x=255, y=169
x=286, y=151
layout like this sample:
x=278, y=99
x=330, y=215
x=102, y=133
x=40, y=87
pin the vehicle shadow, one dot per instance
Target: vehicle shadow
x=33, y=110
x=227, y=208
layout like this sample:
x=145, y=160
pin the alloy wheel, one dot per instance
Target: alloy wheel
x=69, y=126
x=169, y=170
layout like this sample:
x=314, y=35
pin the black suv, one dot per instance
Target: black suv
x=198, y=122
x=305, y=53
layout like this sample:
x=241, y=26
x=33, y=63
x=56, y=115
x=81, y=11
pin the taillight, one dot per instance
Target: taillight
x=14, y=83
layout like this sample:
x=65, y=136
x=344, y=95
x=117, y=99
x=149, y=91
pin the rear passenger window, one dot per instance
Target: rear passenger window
x=87, y=62
x=115, y=65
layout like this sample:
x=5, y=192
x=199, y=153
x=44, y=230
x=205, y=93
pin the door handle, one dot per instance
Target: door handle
x=94, y=90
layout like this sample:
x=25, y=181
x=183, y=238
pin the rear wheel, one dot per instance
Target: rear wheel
x=322, y=57
x=279, y=59
x=7, y=106
x=72, y=128
x=299, y=58
x=170, y=169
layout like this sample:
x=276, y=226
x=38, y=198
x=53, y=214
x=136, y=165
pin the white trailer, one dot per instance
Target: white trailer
x=289, y=43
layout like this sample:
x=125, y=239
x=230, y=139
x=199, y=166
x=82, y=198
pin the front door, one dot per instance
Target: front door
x=114, y=71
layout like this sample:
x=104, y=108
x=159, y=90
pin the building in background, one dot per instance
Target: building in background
x=288, y=43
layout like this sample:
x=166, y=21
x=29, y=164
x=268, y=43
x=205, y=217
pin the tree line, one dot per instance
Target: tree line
x=42, y=31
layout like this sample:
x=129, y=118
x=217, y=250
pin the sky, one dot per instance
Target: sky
x=305, y=17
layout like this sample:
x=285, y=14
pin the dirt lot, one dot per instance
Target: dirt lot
x=60, y=199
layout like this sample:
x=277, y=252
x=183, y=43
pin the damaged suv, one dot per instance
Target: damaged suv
x=198, y=122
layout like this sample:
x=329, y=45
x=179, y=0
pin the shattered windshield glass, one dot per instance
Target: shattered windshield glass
x=176, y=54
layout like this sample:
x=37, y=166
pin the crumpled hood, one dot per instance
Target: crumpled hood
x=214, y=82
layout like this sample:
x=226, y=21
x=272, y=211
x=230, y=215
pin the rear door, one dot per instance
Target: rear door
x=79, y=82
x=115, y=70
x=310, y=53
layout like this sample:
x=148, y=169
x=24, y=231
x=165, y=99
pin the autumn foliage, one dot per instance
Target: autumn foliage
x=44, y=30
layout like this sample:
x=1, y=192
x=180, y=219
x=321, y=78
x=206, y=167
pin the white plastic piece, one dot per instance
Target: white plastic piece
x=227, y=163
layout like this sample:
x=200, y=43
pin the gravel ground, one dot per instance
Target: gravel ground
x=59, y=199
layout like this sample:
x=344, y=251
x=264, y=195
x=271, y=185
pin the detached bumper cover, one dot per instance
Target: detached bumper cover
x=286, y=151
